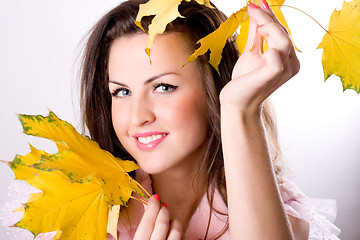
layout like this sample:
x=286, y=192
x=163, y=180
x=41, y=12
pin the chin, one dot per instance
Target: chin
x=152, y=167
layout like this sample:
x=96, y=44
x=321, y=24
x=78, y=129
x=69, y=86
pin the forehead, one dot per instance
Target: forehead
x=127, y=56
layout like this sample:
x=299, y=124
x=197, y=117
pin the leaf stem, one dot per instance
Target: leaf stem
x=303, y=13
x=6, y=162
x=142, y=188
x=140, y=200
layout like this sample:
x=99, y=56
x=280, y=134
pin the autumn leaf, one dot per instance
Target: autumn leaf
x=215, y=41
x=165, y=11
x=83, y=159
x=80, y=183
x=341, y=44
x=74, y=210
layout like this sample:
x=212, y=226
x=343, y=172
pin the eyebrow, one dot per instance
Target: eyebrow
x=147, y=81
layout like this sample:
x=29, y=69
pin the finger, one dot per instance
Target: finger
x=271, y=70
x=279, y=70
x=295, y=63
x=175, y=232
x=265, y=6
x=260, y=16
x=277, y=38
x=161, y=225
x=283, y=71
x=270, y=26
x=147, y=223
x=253, y=36
x=265, y=78
x=254, y=42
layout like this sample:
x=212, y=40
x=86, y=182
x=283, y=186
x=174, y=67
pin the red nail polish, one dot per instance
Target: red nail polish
x=157, y=197
x=253, y=6
x=164, y=204
x=259, y=26
x=265, y=4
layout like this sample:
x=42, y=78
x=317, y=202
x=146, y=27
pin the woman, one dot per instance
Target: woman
x=206, y=142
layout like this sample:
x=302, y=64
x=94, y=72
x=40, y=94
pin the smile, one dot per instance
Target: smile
x=148, y=141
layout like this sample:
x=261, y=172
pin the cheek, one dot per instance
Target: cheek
x=188, y=114
x=118, y=120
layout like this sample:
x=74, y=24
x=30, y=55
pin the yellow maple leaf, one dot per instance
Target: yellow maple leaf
x=275, y=6
x=215, y=41
x=74, y=210
x=341, y=44
x=80, y=183
x=81, y=158
x=165, y=11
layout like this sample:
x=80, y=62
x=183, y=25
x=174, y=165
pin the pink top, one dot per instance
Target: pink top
x=319, y=213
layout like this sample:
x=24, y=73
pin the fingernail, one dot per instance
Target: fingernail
x=157, y=197
x=265, y=4
x=253, y=6
x=164, y=204
x=259, y=26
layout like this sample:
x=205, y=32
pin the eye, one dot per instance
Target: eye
x=121, y=92
x=164, y=88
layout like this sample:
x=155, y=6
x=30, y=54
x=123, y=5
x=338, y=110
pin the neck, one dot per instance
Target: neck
x=181, y=191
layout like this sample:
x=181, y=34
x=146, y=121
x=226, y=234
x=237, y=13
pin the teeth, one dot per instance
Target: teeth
x=149, y=139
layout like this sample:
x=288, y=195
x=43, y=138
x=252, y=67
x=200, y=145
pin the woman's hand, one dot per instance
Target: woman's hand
x=256, y=75
x=156, y=224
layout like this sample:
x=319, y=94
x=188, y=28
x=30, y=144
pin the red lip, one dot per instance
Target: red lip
x=150, y=145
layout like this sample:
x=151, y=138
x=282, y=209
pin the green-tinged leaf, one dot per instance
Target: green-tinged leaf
x=341, y=46
x=82, y=154
x=79, y=183
x=62, y=206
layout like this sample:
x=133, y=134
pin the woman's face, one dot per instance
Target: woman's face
x=158, y=109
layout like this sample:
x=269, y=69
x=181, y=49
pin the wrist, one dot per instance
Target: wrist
x=243, y=113
x=244, y=122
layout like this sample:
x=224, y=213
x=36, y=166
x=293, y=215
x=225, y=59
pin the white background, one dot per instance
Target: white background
x=319, y=124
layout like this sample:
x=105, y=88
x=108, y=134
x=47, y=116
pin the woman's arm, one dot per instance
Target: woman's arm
x=255, y=208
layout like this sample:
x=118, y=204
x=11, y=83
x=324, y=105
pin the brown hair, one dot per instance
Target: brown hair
x=199, y=21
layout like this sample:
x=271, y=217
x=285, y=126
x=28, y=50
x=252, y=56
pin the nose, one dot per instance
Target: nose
x=142, y=111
